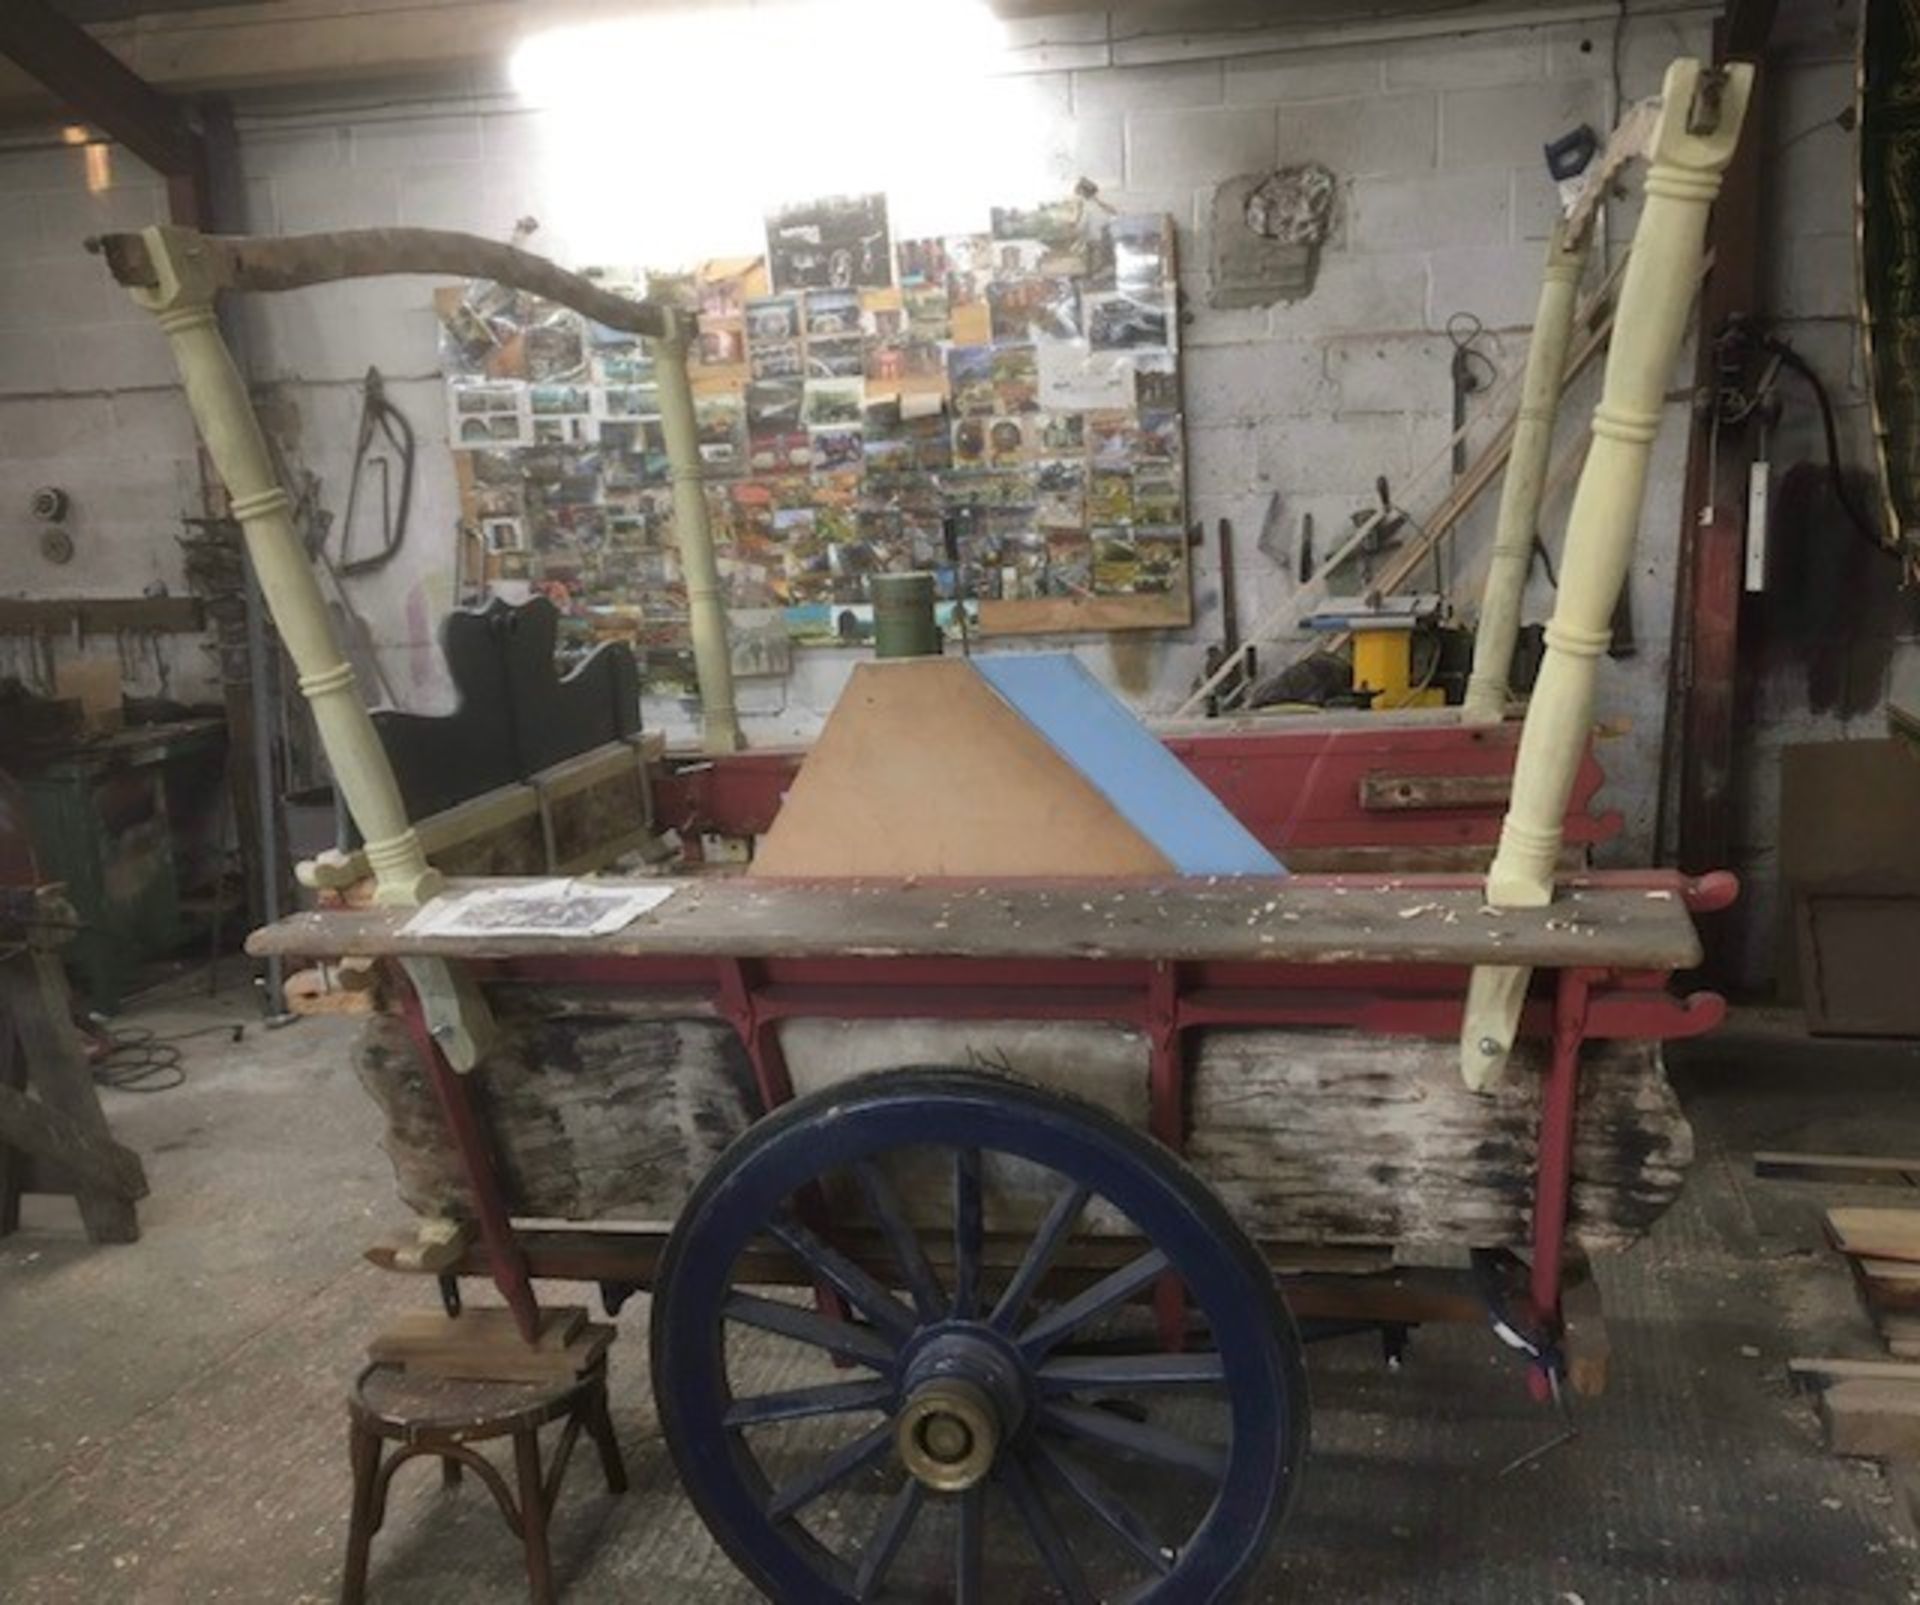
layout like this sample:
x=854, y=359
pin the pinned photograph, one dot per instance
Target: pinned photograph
x=779, y=451
x=719, y=425
x=1118, y=322
x=970, y=378
x=721, y=346
x=1063, y=499
x=565, y=429
x=1016, y=379
x=844, y=358
x=626, y=401
x=928, y=315
x=1054, y=223
x=1142, y=255
x=1069, y=562
x=970, y=260
x=970, y=442
x=1063, y=433
x=837, y=242
x=1009, y=442
x=784, y=360
x=1109, y=498
x=1112, y=439
x=922, y=262
x=504, y=534
x=1159, y=437
x=832, y=313
x=556, y=349
x=1058, y=227
x=1116, y=562
x=837, y=449
x=1156, y=381
x=1076, y=378
x=1160, y=562
x=883, y=315
x=831, y=403
x=1034, y=308
x=1018, y=259
x=774, y=406
x=551, y=401
x=485, y=414
x=1157, y=497
x=622, y=367
x=773, y=318
x=722, y=298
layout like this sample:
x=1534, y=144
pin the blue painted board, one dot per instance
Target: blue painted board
x=1150, y=788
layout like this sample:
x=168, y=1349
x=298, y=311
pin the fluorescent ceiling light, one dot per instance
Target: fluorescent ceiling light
x=667, y=137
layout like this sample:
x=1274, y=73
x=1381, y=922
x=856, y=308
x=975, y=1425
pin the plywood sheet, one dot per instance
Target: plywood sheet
x=923, y=769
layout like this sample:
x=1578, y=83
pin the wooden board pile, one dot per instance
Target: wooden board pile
x=1871, y=1408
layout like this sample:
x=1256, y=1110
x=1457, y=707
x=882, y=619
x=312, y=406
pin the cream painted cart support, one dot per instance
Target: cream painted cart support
x=712, y=658
x=1522, y=489
x=175, y=273
x=1698, y=127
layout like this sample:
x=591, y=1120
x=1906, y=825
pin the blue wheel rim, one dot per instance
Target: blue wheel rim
x=1049, y=1464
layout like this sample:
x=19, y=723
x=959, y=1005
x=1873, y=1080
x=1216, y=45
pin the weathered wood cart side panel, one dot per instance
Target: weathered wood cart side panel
x=1310, y=1136
x=590, y=1114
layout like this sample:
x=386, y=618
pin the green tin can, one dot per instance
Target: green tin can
x=903, y=621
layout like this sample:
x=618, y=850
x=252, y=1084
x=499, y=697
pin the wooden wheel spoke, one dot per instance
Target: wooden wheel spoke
x=1109, y=1292
x=1059, y=1222
x=885, y=1545
x=836, y=1468
x=840, y=1338
x=968, y=1230
x=1131, y=1373
x=800, y=1404
x=890, y=1214
x=859, y=1288
x=1113, y=1513
x=970, y=1547
x=1136, y=1439
x=1045, y=1532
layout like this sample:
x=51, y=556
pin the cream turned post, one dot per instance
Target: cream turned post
x=1699, y=126
x=1521, y=490
x=712, y=660
x=185, y=279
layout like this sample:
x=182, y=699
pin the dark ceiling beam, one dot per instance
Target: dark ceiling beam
x=96, y=87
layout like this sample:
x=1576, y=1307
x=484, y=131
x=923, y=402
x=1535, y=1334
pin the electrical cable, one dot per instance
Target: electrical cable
x=135, y=1058
x=1842, y=492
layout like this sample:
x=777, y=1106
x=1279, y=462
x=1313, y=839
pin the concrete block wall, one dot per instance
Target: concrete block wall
x=1443, y=208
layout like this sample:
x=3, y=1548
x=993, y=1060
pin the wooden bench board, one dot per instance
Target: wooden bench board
x=1259, y=919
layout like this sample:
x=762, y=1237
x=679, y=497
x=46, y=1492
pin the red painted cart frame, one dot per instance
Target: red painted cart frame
x=1163, y=999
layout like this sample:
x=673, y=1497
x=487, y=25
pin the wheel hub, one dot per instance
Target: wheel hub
x=948, y=1434
x=965, y=1394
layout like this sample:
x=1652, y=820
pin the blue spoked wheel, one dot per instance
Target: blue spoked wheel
x=994, y=1409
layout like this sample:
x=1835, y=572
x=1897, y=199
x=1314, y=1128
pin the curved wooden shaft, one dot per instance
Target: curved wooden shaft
x=175, y=278
x=1654, y=300
x=706, y=610
x=1521, y=490
x=181, y=297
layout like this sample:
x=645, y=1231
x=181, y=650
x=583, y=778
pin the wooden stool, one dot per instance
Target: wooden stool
x=427, y=1415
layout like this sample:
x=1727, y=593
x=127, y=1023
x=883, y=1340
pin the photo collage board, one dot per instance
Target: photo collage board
x=864, y=405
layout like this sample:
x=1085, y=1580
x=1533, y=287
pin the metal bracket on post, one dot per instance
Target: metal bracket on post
x=1690, y=149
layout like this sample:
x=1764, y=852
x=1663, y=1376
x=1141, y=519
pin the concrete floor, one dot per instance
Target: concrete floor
x=173, y=1426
